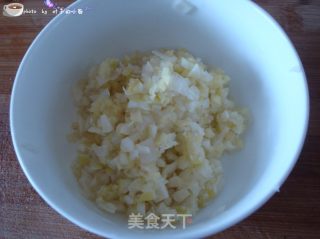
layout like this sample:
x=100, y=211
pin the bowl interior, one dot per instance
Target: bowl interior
x=266, y=77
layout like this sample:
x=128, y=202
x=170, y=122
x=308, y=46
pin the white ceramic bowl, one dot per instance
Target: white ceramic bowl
x=267, y=77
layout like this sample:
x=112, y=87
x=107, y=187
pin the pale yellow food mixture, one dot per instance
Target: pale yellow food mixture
x=151, y=130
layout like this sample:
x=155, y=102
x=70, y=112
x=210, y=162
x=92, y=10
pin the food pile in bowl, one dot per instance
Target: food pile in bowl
x=151, y=130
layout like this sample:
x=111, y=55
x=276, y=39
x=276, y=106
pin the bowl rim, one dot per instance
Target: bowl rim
x=206, y=228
